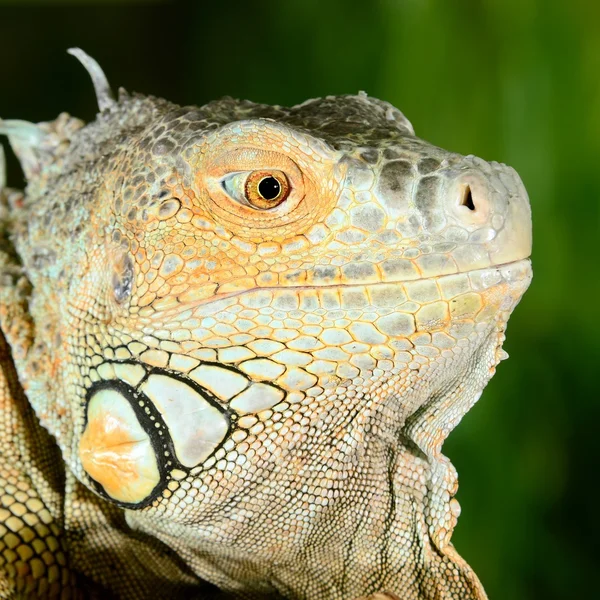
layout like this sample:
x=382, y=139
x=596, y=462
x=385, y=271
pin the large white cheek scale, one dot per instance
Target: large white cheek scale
x=196, y=427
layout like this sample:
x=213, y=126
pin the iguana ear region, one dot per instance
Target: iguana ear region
x=146, y=426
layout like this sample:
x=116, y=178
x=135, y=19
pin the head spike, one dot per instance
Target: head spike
x=38, y=145
x=104, y=94
x=23, y=130
x=25, y=139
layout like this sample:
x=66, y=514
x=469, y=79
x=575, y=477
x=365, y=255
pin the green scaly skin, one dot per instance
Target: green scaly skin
x=209, y=391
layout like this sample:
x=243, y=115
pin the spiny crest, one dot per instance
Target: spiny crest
x=104, y=94
x=38, y=145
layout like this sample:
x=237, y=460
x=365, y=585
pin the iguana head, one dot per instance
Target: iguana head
x=242, y=308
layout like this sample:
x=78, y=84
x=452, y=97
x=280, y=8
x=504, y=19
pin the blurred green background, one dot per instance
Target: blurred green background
x=516, y=81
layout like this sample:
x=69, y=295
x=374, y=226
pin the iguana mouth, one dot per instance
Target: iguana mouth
x=508, y=271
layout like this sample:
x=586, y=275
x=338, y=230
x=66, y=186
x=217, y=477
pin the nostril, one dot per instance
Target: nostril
x=467, y=198
x=470, y=198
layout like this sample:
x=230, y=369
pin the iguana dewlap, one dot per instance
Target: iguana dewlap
x=235, y=338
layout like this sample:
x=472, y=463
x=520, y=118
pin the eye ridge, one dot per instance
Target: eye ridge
x=266, y=189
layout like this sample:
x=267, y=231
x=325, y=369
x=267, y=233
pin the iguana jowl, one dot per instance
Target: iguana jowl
x=248, y=330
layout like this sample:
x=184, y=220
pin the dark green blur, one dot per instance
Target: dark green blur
x=515, y=81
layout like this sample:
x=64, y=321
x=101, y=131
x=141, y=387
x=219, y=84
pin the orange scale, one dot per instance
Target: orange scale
x=115, y=450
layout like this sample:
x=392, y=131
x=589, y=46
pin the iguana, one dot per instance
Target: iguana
x=234, y=340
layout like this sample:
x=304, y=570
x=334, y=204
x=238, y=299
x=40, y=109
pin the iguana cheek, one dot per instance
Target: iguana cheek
x=196, y=426
x=116, y=451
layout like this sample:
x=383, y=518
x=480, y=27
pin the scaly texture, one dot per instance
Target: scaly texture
x=249, y=330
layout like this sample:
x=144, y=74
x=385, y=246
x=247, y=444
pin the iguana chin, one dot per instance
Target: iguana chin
x=234, y=340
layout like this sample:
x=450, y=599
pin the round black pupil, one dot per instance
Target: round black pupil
x=269, y=188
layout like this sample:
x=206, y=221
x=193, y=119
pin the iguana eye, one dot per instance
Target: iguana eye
x=259, y=189
x=256, y=178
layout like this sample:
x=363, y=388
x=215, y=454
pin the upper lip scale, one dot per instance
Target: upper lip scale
x=218, y=297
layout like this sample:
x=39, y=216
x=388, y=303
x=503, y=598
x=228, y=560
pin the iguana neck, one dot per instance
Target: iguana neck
x=345, y=534
x=353, y=522
x=341, y=545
